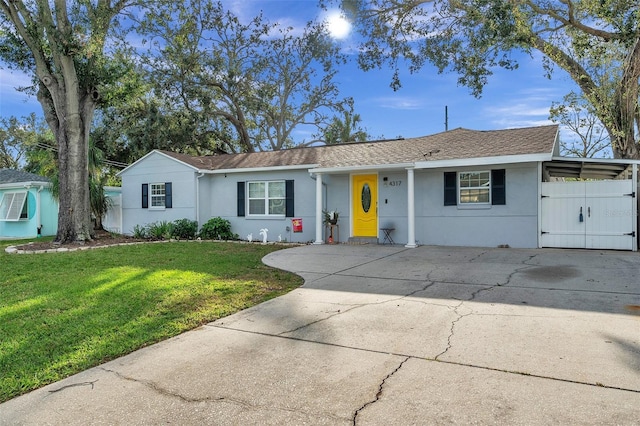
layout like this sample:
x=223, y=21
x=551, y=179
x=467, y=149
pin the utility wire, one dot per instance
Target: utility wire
x=112, y=163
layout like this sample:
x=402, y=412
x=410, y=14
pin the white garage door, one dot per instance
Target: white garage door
x=590, y=214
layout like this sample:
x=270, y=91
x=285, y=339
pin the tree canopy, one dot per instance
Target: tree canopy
x=240, y=86
x=596, y=42
x=62, y=46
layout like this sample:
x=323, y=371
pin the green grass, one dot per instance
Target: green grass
x=61, y=313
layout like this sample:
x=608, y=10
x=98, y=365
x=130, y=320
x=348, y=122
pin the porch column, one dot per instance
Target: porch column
x=319, y=239
x=411, y=211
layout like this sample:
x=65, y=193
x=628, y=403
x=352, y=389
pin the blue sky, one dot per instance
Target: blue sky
x=510, y=99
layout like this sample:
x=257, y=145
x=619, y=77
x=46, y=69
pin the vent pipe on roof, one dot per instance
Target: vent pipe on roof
x=446, y=118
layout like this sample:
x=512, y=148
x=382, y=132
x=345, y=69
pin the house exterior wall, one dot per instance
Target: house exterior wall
x=337, y=197
x=515, y=223
x=392, y=205
x=219, y=198
x=157, y=168
x=28, y=228
x=112, y=220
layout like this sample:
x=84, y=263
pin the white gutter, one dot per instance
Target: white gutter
x=483, y=161
x=257, y=169
x=345, y=169
x=18, y=185
x=39, y=225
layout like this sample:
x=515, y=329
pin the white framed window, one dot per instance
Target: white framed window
x=13, y=206
x=267, y=198
x=474, y=188
x=157, y=195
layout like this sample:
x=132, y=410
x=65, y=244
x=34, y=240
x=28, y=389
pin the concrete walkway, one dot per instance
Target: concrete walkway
x=382, y=335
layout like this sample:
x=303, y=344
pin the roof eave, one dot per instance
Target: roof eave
x=257, y=169
x=483, y=161
x=155, y=151
x=376, y=167
x=27, y=184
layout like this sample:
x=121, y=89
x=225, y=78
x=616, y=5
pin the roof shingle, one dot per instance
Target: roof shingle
x=455, y=144
x=16, y=176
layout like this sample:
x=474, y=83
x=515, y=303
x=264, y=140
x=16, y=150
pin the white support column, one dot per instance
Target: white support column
x=319, y=239
x=634, y=209
x=411, y=211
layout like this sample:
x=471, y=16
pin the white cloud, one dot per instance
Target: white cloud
x=11, y=79
x=399, y=102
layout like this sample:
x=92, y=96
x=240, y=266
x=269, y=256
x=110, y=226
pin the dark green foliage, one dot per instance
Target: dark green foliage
x=185, y=229
x=217, y=228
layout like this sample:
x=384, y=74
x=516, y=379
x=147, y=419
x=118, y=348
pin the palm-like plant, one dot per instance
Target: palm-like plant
x=346, y=129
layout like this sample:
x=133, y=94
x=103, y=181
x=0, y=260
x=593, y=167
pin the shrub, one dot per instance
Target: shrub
x=185, y=228
x=217, y=228
x=139, y=232
x=160, y=230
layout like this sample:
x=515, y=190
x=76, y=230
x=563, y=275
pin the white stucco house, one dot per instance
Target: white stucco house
x=461, y=187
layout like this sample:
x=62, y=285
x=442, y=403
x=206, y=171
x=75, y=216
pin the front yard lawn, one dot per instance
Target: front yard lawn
x=61, y=313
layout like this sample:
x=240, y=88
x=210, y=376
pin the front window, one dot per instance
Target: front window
x=474, y=187
x=13, y=206
x=267, y=198
x=158, y=195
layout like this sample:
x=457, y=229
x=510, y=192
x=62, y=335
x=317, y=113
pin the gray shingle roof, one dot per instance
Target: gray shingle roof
x=455, y=144
x=17, y=176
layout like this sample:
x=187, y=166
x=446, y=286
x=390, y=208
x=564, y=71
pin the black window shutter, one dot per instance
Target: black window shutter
x=240, y=198
x=450, y=188
x=145, y=195
x=168, y=196
x=498, y=187
x=289, y=198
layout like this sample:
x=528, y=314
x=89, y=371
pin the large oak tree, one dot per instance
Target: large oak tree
x=596, y=42
x=62, y=46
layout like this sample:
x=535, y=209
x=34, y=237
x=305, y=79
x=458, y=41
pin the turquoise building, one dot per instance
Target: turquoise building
x=27, y=207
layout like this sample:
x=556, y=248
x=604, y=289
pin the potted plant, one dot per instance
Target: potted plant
x=331, y=217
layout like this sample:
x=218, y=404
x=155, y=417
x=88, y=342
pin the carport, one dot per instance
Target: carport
x=589, y=203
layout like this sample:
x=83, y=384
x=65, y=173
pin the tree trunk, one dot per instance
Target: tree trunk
x=71, y=125
x=74, y=215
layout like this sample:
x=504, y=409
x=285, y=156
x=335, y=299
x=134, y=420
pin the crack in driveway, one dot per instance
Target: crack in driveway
x=380, y=390
x=473, y=297
x=355, y=306
x=245, y=404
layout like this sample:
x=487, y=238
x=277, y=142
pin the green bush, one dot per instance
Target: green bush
x=185, y=228
x=217, y=228
x=160, y=230
x=139, y=232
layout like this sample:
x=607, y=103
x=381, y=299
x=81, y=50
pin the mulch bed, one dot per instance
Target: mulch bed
x=101, y=238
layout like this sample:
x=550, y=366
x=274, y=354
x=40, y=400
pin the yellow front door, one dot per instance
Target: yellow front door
x=365, y=205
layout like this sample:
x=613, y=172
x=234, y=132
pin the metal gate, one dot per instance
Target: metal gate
x=588, y=214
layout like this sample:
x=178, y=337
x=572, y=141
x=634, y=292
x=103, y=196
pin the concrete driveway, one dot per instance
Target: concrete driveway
x=383, y=335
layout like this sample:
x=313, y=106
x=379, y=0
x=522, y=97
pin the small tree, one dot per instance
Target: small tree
x=345, y=129
x=577, y=115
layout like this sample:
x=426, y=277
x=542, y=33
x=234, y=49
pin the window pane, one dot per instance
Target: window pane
x=276, y=189
x=157, y=194
x=157, y=201
x=484, y=179
x=25, y=209
x=256, y=207
x=157, y=189
x=474, y=195
x=256, y=190
x=276, y=206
